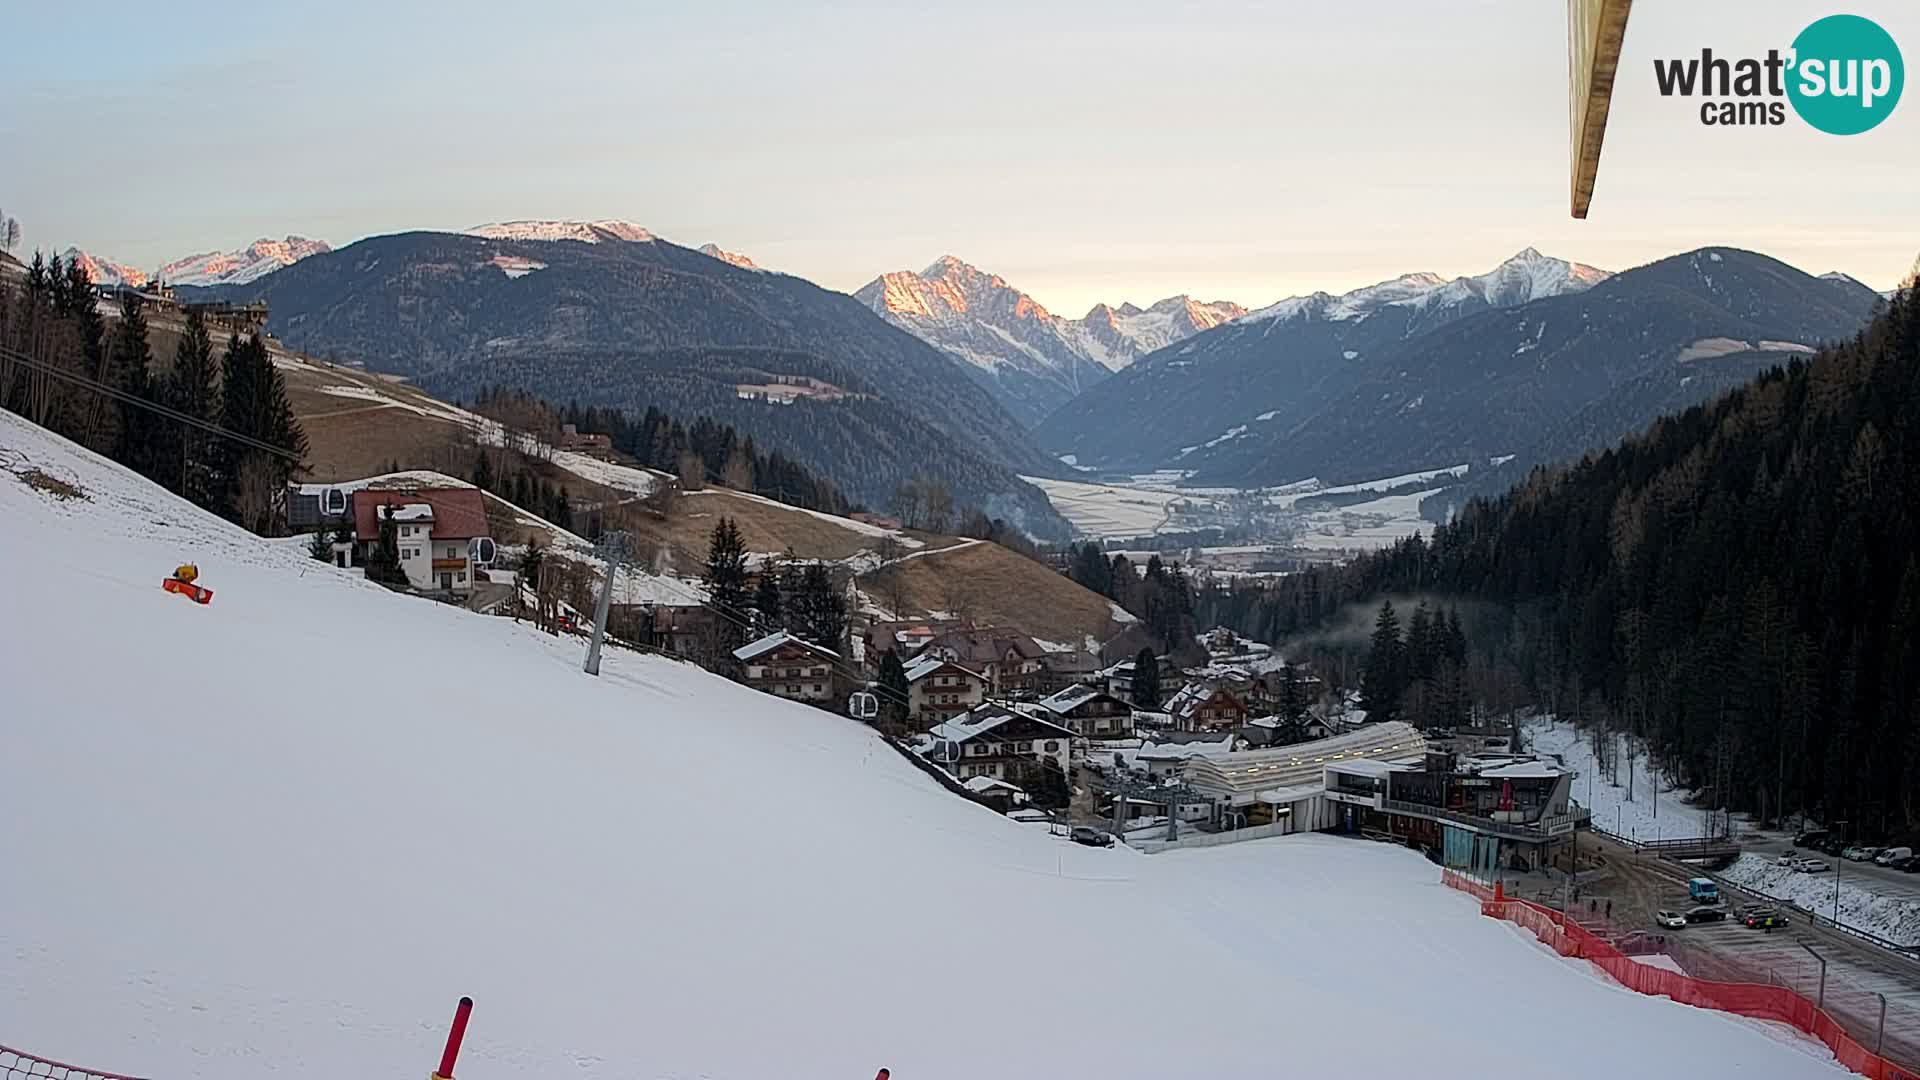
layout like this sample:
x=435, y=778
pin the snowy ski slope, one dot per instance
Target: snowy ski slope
x=279, y=835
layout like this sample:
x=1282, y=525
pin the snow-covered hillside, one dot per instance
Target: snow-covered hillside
x=280, y=834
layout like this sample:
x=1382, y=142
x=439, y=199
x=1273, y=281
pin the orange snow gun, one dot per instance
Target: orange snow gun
x=182, y=582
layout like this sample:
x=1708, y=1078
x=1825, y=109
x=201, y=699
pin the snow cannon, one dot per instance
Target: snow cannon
x=182, y=582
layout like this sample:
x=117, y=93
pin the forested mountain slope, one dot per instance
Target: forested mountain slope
x=638, y=323
x=1740, y=584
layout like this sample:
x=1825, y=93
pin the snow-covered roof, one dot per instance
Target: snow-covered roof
x=1282, y=796
x=1525, y=770
x=927, y=665
x=1183, y=751
x=1077, y=694
x=411, y=512
x=1374, y=767
x=775, y=640
x=982, y=719
x=983, y=784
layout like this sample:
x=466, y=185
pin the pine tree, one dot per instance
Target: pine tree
x=1293, y=695
x=768, y=615
x=135, y=444
x=483, y=469
x=563, y=509
x=383, y=562
x=1146, y=680
x=893, y=689
x=190, y=390
x=320, y=545
x=726, y=581
x=823, y=608
x=1384, y=681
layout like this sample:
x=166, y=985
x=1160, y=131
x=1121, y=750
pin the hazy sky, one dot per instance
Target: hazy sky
x=1100, y=151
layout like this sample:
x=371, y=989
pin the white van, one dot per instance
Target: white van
x=1891, y=854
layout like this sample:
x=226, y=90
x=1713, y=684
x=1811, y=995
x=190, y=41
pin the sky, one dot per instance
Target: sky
x=1087, y=152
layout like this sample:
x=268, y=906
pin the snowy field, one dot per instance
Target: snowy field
x=1895, y=918
x=280, y=834
x=1153, y=504
x=1636, y=819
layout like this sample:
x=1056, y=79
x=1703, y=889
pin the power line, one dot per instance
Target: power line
x=17, y=357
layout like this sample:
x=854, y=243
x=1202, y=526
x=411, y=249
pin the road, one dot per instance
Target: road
x=1857, y=970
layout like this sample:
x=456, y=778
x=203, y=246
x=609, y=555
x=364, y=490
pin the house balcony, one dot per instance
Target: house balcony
x=448, y=565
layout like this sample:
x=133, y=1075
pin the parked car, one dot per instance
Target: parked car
x=1092, y=837
x=1702, y=890
x=1764, y=919
x=1852, y=853
x=1812, y=866
x=1705, y=914
x=1887, y=855
x=1908, y=865
x=1788, y=859
x=1812, y=838
x=1831, y=847
x=1671, y=920
x=1860, y=854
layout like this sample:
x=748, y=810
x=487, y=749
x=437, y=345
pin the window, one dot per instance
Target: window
x=816, y=688
x=1053, y=746
x=460, y=576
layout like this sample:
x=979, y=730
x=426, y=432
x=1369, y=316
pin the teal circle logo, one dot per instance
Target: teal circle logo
x=1847, y=75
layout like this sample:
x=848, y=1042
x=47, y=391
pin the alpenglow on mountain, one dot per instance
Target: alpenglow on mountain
x=1032, y=359
x=1276, y=365
x=237, y=267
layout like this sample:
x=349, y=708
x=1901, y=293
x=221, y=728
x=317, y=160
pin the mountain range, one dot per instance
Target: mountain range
x=1033, y=360
x=606, y=313
x=1415, y=373
x=237, y=267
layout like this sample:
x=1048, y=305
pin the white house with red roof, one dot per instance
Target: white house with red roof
x=433, y=527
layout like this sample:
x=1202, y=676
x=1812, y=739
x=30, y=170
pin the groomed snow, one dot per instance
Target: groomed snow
x=280, y=834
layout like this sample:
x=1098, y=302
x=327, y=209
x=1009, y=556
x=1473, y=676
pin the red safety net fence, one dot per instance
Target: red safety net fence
x=20, y=1065
x=1757, y=1000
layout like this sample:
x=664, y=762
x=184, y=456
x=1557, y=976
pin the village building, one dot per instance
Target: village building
x=1508, y=813
x=997, y=742
x=1090, y=712
x=997, y=794
x=938, y=690
x=434, y=530
x=790, y=667
x=906, y=637
x=572, y=438
x=1069, y=667
x=1206, y=705
x=1011, y=661
x=1288, y=786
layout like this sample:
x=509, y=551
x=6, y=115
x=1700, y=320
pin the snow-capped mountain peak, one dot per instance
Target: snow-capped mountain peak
x=106, y=271
x=731, y=258
x=237, y=267
x=1526, y=276
x=977, y=316
x=587, y=232
x=256, y=260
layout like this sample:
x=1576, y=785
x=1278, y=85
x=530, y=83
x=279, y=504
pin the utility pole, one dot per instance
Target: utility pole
x=1836, y=884
x=613, y=546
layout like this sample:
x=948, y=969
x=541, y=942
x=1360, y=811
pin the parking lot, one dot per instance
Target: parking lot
x=1857, y=971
